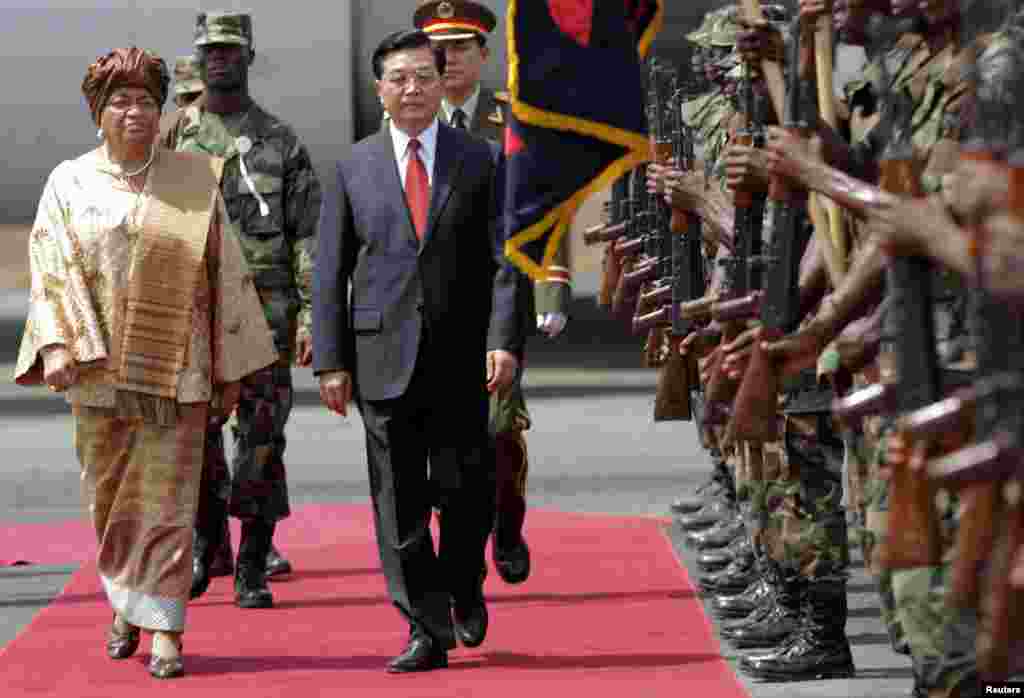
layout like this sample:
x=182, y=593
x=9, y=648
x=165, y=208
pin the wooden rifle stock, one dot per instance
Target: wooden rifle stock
x=672, y=400
x=611, y=273
x=1002, y=609
x=913, y=538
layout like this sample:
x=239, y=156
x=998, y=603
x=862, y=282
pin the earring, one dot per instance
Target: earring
x=99, y=134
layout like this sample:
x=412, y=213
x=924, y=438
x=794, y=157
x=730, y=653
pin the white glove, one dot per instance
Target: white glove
x=552, y=324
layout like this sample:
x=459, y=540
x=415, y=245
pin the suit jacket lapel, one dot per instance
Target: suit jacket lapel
x=447, y=163
x=386, y=173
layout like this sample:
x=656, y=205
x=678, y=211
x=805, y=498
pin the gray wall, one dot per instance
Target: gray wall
x=302, y=73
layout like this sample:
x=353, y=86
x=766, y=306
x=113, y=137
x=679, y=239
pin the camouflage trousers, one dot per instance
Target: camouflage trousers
x=803, y=521
x=255, y=487
x=509, y=418
x=940, y=637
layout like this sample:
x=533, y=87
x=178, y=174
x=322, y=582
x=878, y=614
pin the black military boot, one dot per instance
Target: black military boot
x=718, y=536
x=251, y=590
x=718, y=486
x=819, y=650
x=710, y=560
x=207, y=540
x=708, y=515
x=743, y=604
x=736, y=577
x=782, y=619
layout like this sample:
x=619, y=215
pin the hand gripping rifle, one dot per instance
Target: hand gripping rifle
x=754, y=411
x=741, y=271
x=990, y=474
x=628, y=247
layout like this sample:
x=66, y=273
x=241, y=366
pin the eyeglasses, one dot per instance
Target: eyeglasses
x=122, y=105
x=398, y=79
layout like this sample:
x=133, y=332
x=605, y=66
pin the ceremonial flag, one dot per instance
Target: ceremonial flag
x=577, y=113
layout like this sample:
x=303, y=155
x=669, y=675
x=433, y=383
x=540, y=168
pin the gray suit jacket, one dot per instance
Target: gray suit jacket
x=376, y=288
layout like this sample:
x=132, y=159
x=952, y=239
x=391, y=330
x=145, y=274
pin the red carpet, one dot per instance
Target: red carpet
x=607, y=612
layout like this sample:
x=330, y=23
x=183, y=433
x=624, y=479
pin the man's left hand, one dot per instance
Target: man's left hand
x=501, y=369
x=303, y=348
x=552, y=324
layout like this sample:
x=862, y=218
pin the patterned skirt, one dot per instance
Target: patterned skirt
x=141, y=465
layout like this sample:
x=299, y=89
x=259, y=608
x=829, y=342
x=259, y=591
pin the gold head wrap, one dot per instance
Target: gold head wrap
x=124, y=67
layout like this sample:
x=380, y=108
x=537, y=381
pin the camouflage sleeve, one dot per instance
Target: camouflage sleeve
x=301, y=211
x=553, y=294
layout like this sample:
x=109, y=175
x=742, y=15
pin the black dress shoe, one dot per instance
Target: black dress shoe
x=277, y=565
x=711, y=560
x=421, y=654
x=122, y=644
x=470, y=619
x=512, y=563
x=251, y=590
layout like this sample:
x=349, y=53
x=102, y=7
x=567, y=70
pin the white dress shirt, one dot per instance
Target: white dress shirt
x=468, y=107
x=427, y=152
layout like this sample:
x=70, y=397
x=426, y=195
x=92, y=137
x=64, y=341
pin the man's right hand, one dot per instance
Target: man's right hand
x=336, y=391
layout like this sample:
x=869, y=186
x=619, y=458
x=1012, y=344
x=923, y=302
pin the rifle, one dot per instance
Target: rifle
x=611, y=265
x=990, y=474
x=754, y=410
x=741, y=275
x=627, y=248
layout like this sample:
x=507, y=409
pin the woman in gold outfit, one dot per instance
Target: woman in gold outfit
x=143, y=313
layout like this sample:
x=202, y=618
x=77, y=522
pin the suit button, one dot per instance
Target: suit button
x=419, y=307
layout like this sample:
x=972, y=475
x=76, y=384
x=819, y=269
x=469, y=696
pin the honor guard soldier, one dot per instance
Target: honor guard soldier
x=273, y=199
x=188, y=84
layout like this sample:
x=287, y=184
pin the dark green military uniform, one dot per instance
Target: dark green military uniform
x=273, y=200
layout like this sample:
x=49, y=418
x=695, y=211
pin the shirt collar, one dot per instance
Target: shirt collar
x=468, y=107
x=427, y=139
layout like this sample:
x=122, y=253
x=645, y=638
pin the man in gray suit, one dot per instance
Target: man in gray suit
x=414, y=317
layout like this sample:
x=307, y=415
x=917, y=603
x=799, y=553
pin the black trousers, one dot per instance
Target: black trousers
x=430, y=446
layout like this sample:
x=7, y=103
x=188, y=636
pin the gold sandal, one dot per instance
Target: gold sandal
x=122, y=644
x=167, y=667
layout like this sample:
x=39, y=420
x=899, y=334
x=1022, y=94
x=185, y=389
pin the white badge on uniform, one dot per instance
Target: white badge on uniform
x=244, y=145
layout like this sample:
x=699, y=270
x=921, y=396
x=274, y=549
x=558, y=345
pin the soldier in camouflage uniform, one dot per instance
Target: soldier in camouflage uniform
x=188, y=84
x=273, y=199
x=460, y=28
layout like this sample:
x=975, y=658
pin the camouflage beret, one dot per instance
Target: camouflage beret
x=700, y=35
x=724, y=27
x=454, y=19
x=223, y=27
x=186, y=75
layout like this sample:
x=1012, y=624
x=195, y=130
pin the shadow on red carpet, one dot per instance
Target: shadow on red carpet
x=607, y=612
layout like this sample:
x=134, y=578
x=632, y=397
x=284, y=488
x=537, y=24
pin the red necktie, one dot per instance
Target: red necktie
x=417, y=188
